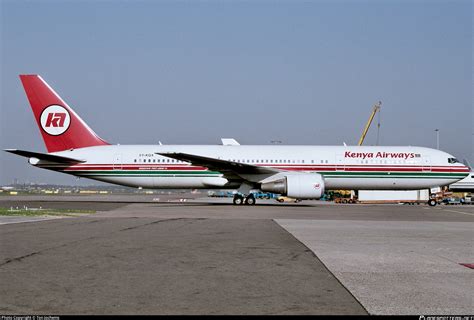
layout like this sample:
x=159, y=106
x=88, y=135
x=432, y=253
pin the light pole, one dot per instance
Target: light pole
x=437, y=138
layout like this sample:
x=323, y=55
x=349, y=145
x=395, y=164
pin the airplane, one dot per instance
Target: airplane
x=301, y=172
x=464, y=185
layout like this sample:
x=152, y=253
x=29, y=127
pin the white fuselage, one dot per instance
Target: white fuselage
x=342, y=167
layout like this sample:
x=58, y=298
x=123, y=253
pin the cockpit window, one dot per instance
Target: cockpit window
x=453, y=160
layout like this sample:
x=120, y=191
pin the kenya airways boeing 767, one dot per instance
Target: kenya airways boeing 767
x=302, y=172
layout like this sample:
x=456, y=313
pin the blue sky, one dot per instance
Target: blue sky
x=193, y=72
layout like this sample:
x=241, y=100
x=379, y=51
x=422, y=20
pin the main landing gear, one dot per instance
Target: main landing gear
x=240, y=199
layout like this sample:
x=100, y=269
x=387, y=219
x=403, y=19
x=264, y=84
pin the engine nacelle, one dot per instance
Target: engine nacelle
x=299, y=186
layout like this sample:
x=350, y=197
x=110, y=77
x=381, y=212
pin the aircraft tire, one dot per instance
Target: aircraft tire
x=250, y=200
x=238, y=199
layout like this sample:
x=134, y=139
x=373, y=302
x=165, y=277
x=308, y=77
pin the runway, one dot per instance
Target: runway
x=205, y=256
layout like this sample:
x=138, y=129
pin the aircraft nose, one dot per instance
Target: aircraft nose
x=465, y=169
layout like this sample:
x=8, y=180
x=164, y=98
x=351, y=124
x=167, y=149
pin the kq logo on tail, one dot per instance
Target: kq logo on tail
x=55, y=120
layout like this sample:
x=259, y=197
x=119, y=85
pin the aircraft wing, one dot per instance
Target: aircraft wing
x=230, y=169
x=44, y=156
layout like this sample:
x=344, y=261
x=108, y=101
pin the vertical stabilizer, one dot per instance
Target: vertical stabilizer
x=60, y=126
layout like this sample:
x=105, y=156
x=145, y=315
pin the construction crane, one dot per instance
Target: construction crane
x=367, y=126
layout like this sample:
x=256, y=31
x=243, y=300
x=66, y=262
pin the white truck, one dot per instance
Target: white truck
x=394, y=196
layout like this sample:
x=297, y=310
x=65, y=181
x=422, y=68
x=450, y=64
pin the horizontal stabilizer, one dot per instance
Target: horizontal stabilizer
x=44, y=156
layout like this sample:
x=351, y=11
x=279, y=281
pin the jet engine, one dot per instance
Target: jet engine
x=299, y=186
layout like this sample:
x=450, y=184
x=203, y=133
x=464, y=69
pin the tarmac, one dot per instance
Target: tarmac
x=190, y=255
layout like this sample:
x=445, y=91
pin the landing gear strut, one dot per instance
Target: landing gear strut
x=248, y=200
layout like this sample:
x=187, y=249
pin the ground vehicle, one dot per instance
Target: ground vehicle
x=346, y=200
x=287, y=199
x=264, y=195
x=467, y=200
x=452, y=200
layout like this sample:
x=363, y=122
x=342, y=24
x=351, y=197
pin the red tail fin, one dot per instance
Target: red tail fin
x=61, y=127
